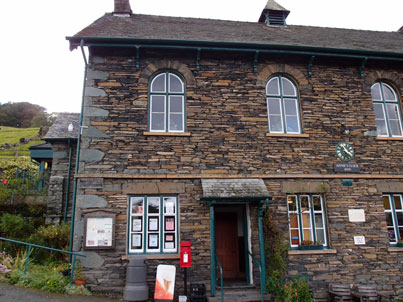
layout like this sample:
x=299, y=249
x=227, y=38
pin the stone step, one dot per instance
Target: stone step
x=237, y=295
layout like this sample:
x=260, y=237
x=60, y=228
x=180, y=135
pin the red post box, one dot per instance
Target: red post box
x=186, y=258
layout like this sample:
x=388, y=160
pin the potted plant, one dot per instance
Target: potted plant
x=310, y=245
x=79, y=280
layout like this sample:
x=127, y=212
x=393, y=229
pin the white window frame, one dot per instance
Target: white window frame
x=398, y=229
x=312, y=223
x=282, y=97
x=383, y=102
x=162, y=215
x=167, y=94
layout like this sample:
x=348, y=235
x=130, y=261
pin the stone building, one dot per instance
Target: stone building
x=62, y=138
x=193, y=127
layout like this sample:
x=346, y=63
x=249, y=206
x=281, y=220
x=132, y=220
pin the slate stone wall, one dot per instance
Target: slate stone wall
x=226, y=124
x=58, y=181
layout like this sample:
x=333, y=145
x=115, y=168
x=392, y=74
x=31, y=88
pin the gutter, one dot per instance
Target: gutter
x=73, y=207
x=234, y=46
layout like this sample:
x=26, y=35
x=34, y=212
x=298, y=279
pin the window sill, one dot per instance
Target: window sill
x=286, y=135
x=311, y=252
x=153, y=256
x=382, y=138
x=166, y=133
x=395, y=249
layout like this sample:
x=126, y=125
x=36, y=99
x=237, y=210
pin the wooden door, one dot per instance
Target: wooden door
x=227, y=244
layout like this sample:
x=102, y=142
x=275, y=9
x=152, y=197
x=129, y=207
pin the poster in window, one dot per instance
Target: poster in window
x=169, y=207
x=137, y=209
x=169, y=241
x=136, y=241
x=153, y=224
x=169, y=223
x=153, y=241
x=137, y=225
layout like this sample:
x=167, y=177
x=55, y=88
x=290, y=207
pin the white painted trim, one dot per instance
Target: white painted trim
x=249, y=242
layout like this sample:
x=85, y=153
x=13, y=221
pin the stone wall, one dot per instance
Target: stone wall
x=227, y=137
x=58, y=181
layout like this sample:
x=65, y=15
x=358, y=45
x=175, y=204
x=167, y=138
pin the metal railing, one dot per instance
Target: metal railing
x=221, y=279
x=260, y=272
x=30, y=245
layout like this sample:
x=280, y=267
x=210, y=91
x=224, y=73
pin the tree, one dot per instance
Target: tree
x=19, y=115
x=43, y=119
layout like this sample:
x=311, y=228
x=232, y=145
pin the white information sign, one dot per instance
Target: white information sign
x=359, y=240
x=99, y=232
x=356, y=215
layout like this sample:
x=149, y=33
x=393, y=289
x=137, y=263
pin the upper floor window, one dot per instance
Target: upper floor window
x=307, y=220
x=393, y=204
x=167, y=103
x=387, y=110
x=282, y=106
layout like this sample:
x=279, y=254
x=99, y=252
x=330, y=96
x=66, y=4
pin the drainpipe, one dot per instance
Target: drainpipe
x=73, y=207
x=66, y=205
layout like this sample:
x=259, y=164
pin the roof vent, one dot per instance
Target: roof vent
x=274, y=14
x=122, y=8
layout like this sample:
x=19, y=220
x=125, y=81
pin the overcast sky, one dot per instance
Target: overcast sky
x=37, y=66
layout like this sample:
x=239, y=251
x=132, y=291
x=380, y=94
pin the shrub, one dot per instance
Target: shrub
x=54, y=236
x=15, y=226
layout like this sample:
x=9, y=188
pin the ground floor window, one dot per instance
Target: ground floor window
x=307, y=221
x=393, y=205
x=153, y=224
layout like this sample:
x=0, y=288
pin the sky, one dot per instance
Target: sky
x=37, y=66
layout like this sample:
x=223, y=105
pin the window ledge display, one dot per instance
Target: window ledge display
x=310, y=247
x=311, y=252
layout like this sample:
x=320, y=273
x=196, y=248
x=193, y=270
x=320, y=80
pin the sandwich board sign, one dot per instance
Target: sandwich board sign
x=165, y=283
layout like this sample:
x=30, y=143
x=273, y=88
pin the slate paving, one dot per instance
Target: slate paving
x=9, y=293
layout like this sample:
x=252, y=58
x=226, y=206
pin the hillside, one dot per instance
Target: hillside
x=10, y=136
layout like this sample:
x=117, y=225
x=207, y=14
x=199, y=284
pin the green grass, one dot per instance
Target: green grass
x=12, y=135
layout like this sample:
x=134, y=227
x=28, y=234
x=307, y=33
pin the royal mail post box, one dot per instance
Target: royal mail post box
x=186, y=258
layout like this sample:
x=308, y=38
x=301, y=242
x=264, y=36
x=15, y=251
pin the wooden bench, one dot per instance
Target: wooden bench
x=339, y=292
x=368, y=293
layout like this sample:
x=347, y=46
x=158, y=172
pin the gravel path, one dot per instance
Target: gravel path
x=9, y=293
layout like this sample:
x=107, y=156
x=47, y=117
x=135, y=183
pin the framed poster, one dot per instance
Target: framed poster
x=169, y=241
x=99, y=230
x=136, y=241
x=153, y=241
x=153, y=224
x=137, y=224
x=169, y=223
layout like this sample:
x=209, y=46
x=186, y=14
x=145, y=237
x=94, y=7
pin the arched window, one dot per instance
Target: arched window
x=167, y=103
x=282, y=106
x=387, y=110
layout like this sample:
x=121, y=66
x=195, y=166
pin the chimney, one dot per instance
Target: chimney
x=122, y=8
x=274, y=14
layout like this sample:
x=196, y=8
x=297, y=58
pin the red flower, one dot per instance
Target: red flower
x=4, y=181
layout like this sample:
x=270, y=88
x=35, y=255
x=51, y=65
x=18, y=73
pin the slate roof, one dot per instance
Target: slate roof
x=176, y=30
x=59, y=129
x=273, y=5
x=234, y=188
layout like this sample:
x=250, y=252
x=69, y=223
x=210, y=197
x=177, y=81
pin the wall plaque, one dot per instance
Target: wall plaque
x=359, y=240
x=346, y=167
x=356, y=215
x=99, y=230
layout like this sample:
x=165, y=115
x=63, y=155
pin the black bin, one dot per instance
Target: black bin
x=197, y=293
